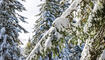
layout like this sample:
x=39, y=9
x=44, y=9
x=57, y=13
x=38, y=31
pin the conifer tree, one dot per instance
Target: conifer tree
x=84, y=22
x=9, y=29
x=50, y=10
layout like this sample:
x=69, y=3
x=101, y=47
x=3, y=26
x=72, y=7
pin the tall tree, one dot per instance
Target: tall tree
x=84, y=21
x=50, y=10
x=9, y=28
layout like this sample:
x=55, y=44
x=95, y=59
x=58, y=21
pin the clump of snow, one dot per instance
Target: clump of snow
x=2, y=32
x=0, y=36
x=48, y=43
x=79, y=42
x=85, y=29
x=1, y=58
x=5, y=38
x=58, y=35
x=1, y=1
x=72, y=7
x=85, y=52
x=102, y=56
x=61, y=23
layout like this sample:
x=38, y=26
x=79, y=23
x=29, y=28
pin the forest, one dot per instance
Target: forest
x=64, y=30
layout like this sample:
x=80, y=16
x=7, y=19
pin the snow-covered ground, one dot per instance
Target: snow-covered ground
x=32, y=10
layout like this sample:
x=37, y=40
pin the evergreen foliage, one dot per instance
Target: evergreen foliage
x=83, y=21
x=49, y=11
x=9, y=29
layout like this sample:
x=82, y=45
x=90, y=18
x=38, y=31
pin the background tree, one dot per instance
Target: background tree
x=49, y=11
x=9, y=28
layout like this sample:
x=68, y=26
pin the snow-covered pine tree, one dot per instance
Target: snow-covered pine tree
x=50, y=10
x=66, y=51
x=84, y=21
x=58, y=29
x=9, y=28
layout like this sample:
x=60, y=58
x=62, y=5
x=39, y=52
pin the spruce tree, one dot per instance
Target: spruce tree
x=84, y=22
x=9, y=29
x=49, y=11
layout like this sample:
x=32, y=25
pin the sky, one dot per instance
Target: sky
x=32, y=10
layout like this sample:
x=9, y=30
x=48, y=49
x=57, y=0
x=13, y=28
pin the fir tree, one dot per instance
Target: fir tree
x=84, y=22
x=50, y=10
x=9, y=28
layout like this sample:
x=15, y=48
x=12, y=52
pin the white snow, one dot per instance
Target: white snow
x=72, y=7
x=1, y=58
x=61, y=23
x=85, y=51
x=102, y=56
x=48, y=43
x=58, y=35
x=1, y=1
x=79, y=42
x=5, y=38
x=3, y=30
x=0, y=36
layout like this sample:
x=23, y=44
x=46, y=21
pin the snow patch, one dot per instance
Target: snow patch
x=102, y=56
x=61, y=23
x=1, y=1
x=48, y=43
x=71, y=8
x=3, y=30
x=1, y=58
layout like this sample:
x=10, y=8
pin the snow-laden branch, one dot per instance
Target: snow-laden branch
x=89, y=46
x=89, y=53
x=60, y=24
x=71, y=8
x=38, y=45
